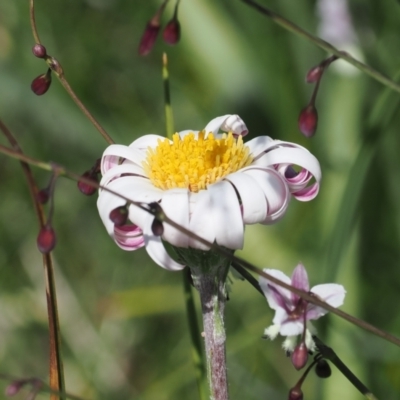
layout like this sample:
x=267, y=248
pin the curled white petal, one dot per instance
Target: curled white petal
x=113, y=154
x=156, y=249
x=227, y=123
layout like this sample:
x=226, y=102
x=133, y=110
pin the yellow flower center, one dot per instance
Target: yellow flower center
x=195, y=163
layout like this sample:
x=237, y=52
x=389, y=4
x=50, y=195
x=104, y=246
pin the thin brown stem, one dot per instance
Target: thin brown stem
x=291, y=27
x=304, y=295
x=33, y=21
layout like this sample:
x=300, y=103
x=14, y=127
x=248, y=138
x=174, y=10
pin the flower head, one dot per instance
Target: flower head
x=208, y=182
x=292, y=313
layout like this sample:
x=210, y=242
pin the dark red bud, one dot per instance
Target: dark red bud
x=172, y=32
x=149, y=38
x=308, y=121
x=314, y=74
x=157, y=227
x=119, y=216
x=84, y=187
x=295, y=394
x=300, y=356
x=46, y=239
x=43, y=196
x=322, y=369
x=41, y=84
x=39, y=51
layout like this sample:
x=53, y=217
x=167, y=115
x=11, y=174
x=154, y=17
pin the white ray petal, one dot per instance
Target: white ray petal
x=201, y=219
x=175, y=204
x=227, y=216
x=254, y=204
x=156, y=249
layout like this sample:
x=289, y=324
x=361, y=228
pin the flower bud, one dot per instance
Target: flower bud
x=41, y=84
x=43, y=196
x=295, y=394
x=157, y=227
x=149, y=38
x=322, y=369
x=119, y=216
x=314, y=74
x=46, y=239
x=308, y=120
x=300, y=356
x=13, y=388
x=39, y=51
x=84, y=187
x=172, y=32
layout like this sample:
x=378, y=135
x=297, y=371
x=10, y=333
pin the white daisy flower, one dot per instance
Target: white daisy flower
x=210, y=183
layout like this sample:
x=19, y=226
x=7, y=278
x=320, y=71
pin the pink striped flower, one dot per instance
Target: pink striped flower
x=209, y=182
x=291, y=311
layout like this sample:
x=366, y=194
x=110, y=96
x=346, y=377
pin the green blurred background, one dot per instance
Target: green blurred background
x=122, y=317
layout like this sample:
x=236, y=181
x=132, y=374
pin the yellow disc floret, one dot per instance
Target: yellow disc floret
x=195, y=163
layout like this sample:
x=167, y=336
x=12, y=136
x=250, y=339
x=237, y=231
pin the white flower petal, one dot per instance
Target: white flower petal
x=258, y=145
x=143, y=142
x=201, y=219
x=291, y=155
x=289, y=343
x=227, y=217
x=275, y=190
x=156, y=249
x=272, y=331
x=292, y=328
x=215, y=124
x=112, y=155
x=118, y=170
x=270, y=289
x=254, y=204
x=175, y=204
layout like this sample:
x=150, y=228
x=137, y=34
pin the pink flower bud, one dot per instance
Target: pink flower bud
x=172, y=32
x=39, y=51
x=314, y=74
x=84, y=187
x=43, y=196
x=322, y=369
x=46, y=239
x=295, y=394
x=119, y=216
x=41, y=84
x=149, y=38
x=157, y=227
x=308, y=121
x=13, y=388
x=300, y=356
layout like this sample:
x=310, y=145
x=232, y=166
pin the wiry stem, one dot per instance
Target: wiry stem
x=291, y=27
x=55, y=359
x=220, y=250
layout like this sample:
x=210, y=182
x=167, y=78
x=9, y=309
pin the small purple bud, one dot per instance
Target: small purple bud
x=84, y=187
x=39, y=51
x=157, y=227
x=308, y=121
x=314, y=74
x=46, y=239
x=295, y=394
x=13, y=388
x=300, y=356
x=41, y=84
x=149, y=38
x=119, y=216
x=43, y=196
x=322, y=369
x=172, y=32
